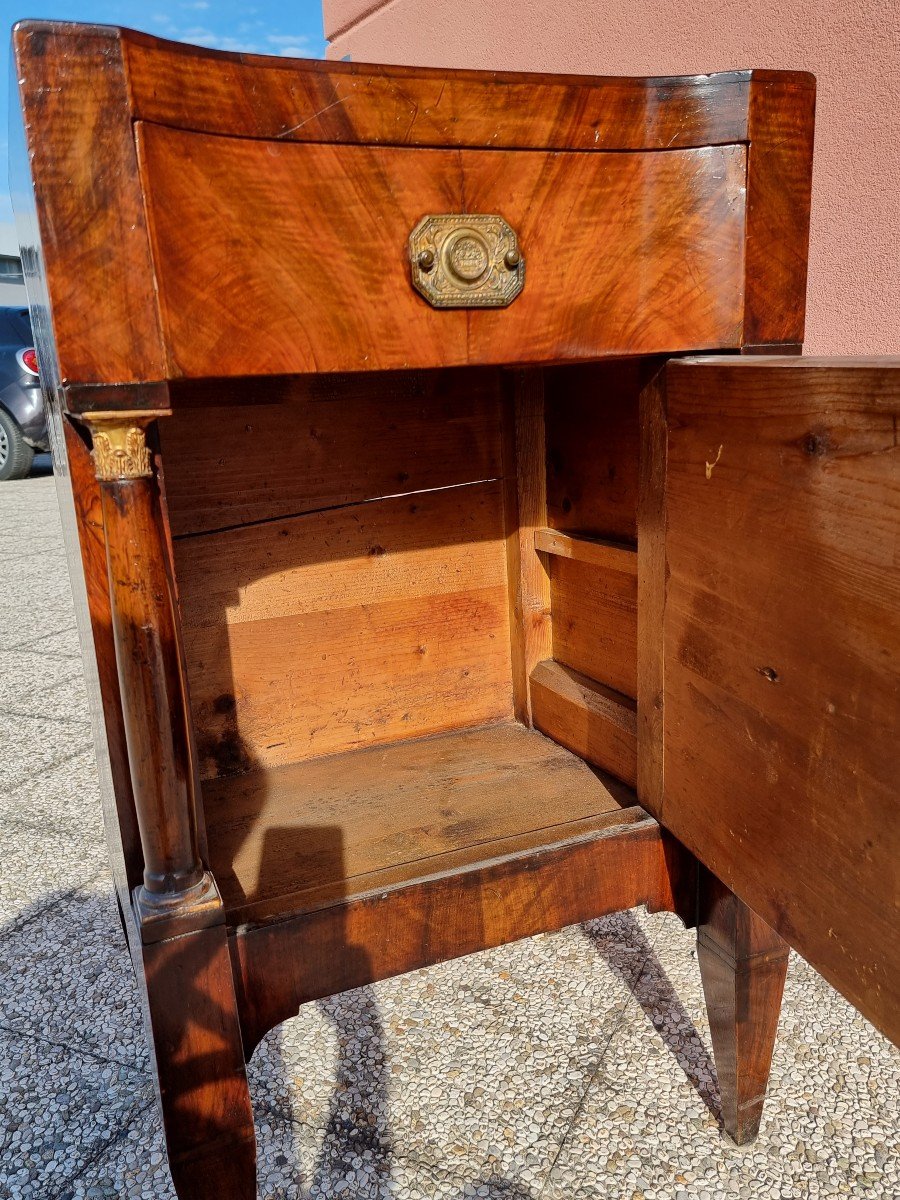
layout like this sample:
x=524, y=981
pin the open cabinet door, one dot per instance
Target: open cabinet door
x=769, y=642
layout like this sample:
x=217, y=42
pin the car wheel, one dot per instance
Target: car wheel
x=16, y=456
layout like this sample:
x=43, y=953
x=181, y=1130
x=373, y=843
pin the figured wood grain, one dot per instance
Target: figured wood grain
x=525, y=509
x=190, y=87
x=593, y=721
x=342, y=628
x=282, y=965
x=404, y=811
x=94, y=252
x=655, y=242
x=780, y=640
x=779, y=192
x=330, y=292
x=269, y=449
x=656, y=239
x=89, y=87
x=595, y=622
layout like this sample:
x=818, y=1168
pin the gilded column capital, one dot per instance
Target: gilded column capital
x=120, y=445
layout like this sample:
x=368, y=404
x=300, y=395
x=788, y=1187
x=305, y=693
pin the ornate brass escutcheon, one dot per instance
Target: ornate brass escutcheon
x=466, y=260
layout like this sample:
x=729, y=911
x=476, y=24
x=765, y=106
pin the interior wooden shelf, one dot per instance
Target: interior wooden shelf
x=596, y=722
x=313, y=833
x=599, y=552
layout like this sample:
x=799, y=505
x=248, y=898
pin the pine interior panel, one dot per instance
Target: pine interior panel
x=310, y=834
x=335, y=629
x=771, y=543
x=595, y=622
x=585, y=698
x=526, y=510
x=655, y=241
x=321, y=631
x=593, y=446
x=238, y=451
x=598, y=552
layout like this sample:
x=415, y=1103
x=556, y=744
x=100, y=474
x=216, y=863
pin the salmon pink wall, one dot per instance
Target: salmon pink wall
x=852, y=46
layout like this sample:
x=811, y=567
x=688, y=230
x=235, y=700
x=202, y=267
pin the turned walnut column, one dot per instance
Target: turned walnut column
x=177, y=893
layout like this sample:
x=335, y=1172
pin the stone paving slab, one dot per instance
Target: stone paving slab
x=38, y=868
x=21, y=586
x=59, y=1110
x=31, y=745
x=539, y=1023
x=60, y=800
x=134, y=1166
x=816, y=1076
x=73, y=979
x=56, y=643
x=30, y=547
x=572, y=1066
x=33, y=684
x=24, y=626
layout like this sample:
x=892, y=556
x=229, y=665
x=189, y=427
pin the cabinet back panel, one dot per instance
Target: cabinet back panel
x=593, y=447
x=299, y=445
x=356, y=623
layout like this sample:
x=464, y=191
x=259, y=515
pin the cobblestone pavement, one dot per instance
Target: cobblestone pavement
x=574, y=1065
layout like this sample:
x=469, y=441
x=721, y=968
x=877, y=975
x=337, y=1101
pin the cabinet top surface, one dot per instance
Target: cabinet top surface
x=304, y=100
x=318, y=67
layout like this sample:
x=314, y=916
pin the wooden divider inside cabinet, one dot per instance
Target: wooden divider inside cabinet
x=359, y=555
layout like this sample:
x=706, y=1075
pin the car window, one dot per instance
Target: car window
x=15, y=328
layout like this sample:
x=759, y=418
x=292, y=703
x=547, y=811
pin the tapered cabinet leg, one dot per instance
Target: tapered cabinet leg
x=743, y=964
x=205, y=1100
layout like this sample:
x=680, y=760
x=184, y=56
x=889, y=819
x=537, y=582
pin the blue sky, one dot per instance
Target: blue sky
x=260, y=26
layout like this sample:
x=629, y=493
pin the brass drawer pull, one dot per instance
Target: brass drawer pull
x=466, y=260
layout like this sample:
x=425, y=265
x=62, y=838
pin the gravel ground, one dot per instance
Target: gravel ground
x=573, y=1065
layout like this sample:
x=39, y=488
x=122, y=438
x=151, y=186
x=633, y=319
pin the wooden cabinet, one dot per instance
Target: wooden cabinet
x=415, y=629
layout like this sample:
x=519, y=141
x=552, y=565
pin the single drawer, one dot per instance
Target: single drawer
x=275, y=257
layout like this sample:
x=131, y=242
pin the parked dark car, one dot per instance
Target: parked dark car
x=23, y=425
